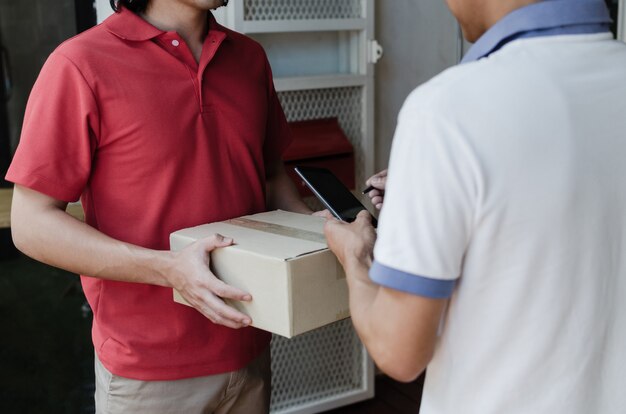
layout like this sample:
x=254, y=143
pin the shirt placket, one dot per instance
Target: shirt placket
x=209, y=49
x=177, y=47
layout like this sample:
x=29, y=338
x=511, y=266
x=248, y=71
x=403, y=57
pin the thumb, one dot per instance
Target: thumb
x=364, y=216
x=215, y=241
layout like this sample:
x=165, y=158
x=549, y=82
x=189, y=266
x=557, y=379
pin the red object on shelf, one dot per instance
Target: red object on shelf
x=320, y=143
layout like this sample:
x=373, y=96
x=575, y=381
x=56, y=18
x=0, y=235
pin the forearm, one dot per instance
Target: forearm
x=43, y=230
x=399, y=329
x=50, y=235
x=282, y=193
x=400, y=344
x=362, y=298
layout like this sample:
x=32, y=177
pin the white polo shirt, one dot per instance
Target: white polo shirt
x=507, y=192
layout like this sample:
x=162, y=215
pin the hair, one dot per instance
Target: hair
x=136, y=6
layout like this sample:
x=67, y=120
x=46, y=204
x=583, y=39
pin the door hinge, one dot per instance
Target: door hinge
x=374, y=51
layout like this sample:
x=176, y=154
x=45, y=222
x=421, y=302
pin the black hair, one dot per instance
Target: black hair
x=136, y=6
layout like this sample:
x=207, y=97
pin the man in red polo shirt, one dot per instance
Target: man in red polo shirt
x=158, y=119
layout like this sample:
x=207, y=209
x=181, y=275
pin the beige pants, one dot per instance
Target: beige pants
x=246, y=391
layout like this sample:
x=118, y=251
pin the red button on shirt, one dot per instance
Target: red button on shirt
x=152, y=142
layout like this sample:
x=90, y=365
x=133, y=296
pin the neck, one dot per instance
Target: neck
x=490, y=13
x=189, y=22
x=496, y=10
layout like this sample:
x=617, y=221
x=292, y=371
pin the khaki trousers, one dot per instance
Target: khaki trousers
x=246, y=391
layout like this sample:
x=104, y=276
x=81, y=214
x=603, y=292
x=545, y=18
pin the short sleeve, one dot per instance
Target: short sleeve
x=427, y=216
x=277, y=133
x=59, y=133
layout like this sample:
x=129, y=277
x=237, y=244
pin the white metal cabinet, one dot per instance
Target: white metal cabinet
x=322, y=54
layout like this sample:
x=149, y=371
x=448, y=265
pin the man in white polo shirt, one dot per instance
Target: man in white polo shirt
x=501, y=254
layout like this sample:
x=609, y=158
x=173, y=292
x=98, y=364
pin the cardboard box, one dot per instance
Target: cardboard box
x=283, y=261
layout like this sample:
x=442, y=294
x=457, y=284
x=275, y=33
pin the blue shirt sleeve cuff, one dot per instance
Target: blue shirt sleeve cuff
x=410, y=283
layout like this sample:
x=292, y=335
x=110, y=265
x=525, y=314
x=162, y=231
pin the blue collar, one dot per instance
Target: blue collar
x=546, y=18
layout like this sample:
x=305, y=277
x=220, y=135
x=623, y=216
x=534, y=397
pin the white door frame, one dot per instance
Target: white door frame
x=621, y=20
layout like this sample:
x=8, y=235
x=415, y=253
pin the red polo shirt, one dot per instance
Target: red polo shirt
x=123, y=117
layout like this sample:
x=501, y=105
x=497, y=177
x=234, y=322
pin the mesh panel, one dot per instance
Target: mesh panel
x=343, y=103
x=327, y=362
x=302, y=9
x=323, y=363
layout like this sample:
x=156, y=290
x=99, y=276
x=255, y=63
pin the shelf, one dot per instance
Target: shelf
x=290, y=26
x=318, y=82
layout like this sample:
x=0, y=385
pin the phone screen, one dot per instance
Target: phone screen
x=332, y=193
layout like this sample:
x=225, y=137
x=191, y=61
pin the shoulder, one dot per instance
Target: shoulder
x=433, y=96
x=244, y=43
x=75, y=57
x=455, y=85
x=87, y=55
x=244, y=55
x=476, y=92
x=86, y=45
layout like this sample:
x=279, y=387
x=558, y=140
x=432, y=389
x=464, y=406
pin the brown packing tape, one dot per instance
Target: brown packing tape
x=342, y=315
x=287, y=231
x=278, y=229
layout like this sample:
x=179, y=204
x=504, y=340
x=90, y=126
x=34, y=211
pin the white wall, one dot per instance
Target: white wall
x=420, y=39
x=103, y=9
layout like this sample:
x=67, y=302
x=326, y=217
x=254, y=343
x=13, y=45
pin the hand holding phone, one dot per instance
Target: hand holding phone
x=335, y=196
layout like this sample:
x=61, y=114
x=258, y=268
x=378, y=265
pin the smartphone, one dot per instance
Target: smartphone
x=332, y=193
